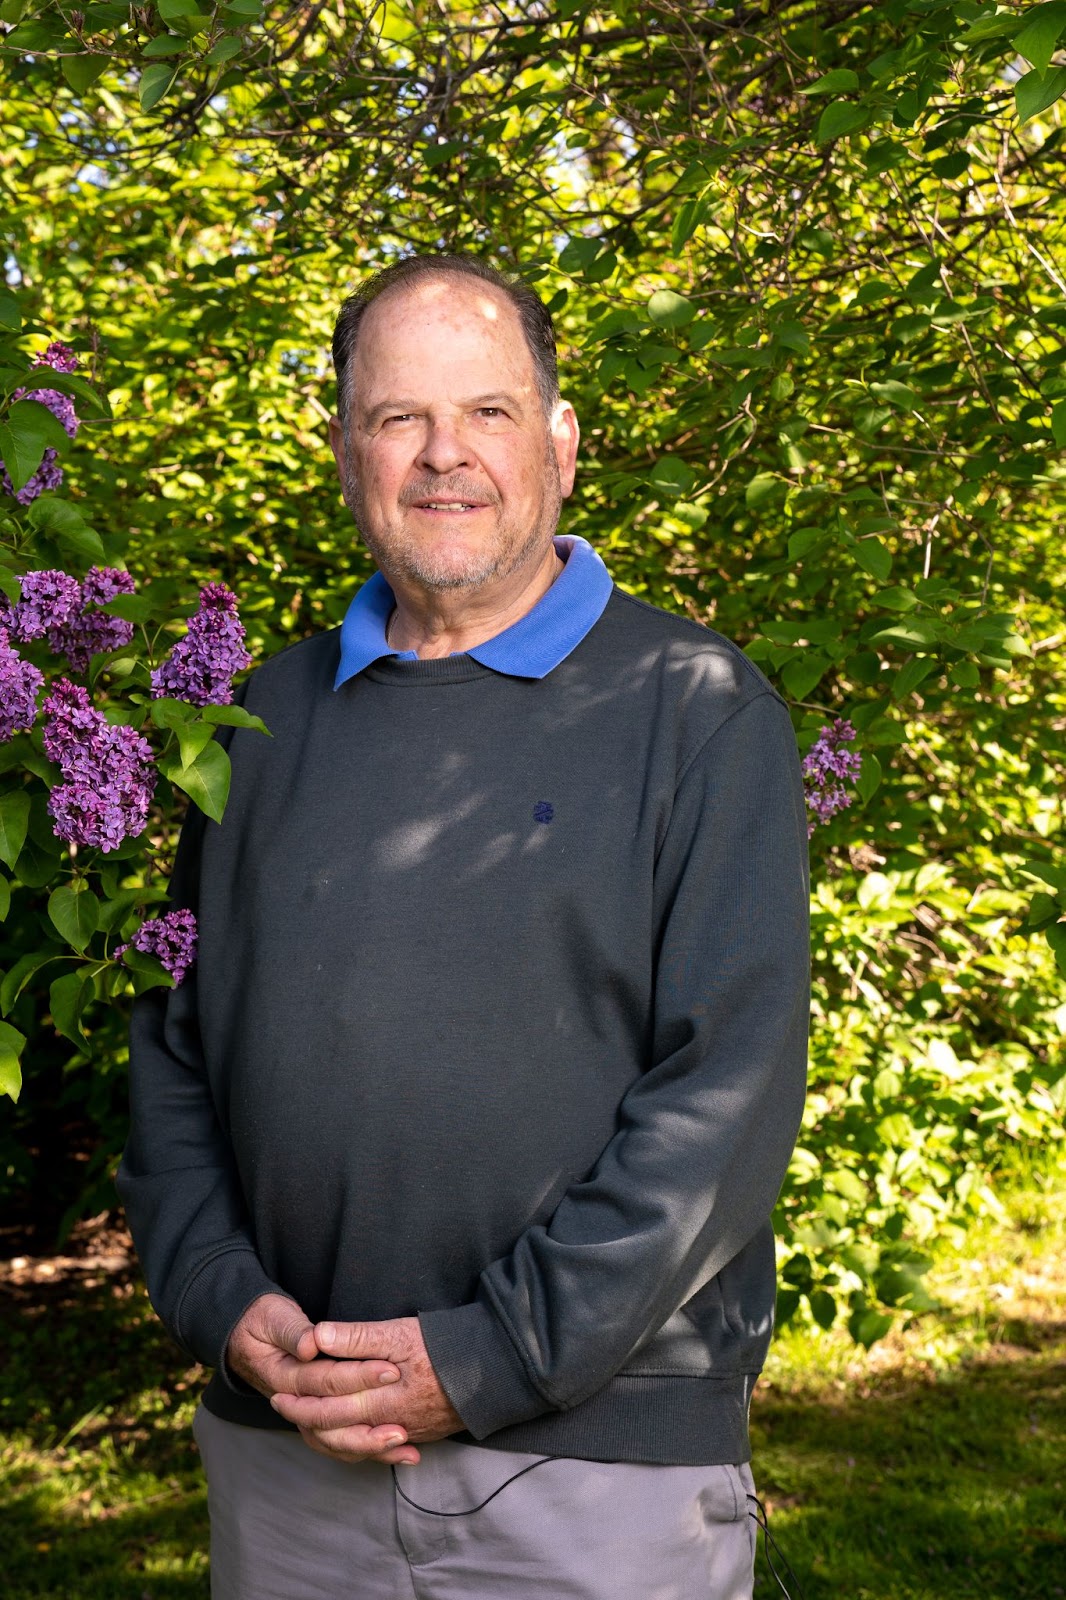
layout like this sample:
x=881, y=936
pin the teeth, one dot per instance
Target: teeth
x=451, y=505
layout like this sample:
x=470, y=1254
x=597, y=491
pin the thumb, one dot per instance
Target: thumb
x=359, y=1340
x=287, y=1327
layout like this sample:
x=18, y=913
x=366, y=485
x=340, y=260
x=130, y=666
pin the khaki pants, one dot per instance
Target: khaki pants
x=287, y=1524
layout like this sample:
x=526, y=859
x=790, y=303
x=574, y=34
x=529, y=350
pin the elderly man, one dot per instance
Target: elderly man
x=456, y=1155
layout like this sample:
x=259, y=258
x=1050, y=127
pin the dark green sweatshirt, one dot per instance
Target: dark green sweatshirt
x=500, y=1018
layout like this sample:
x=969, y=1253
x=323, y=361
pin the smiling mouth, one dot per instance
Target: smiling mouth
x=449, y=505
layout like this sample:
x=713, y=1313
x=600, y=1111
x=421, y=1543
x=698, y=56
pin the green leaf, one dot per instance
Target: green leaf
x=131, y=607
x=764, y=488
x=29, y=431
x=897, y=394
x=206, y=781
x=672, y=475
x=74, y=913
x=669, y=310
x=245, y=8
x=823, y=1307
x=67, y=999
x=61, y=521
x=1038, y=90
x=839, y=81
x=1042, y=29
x=999, y=25
x=224, y=50
x=787, y=1304
x=866, y=1326
x=840, y=119
x=869, y=778
x=168, y=713
x=37, y=37
x=919, y=633
x=910, y=675
x=192, y=737
x=1048, y=872
x=31, y=419
x=1056, y=938
x=803, y=672
x=171, y=10
x=691, y=214
x=237, y=717
x=1058, y=424
x=16, y=978
x=897, y=599
x=10, y=310
x=12, y=1043
x=81, y=72
x=165, y=44
x=155, y=83
x=5, y=898
x=14, y=821
x=873, y=558
x=148, y=971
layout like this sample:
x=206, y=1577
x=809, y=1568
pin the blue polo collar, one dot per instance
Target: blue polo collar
x=529, y=648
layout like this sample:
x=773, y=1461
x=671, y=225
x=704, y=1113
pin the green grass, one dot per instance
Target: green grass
x=932, y=1468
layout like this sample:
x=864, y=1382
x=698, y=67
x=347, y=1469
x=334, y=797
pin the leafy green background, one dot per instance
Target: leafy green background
x=805, y=265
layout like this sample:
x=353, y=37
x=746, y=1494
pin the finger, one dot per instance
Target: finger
x=284, y=1325
x=358, y=1340
x=351, y=1445
x=362, y=1444
x=320, y=1412
x=324, y=1377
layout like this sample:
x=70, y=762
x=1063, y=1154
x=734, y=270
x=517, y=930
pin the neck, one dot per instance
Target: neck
x=448, y=622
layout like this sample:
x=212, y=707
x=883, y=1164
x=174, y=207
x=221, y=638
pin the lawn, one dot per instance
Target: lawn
x=932, y=1468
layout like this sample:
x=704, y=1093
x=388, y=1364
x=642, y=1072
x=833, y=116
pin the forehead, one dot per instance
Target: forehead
x=446, y=321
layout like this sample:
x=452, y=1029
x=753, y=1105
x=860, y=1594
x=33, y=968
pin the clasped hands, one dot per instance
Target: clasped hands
x=373, y=1399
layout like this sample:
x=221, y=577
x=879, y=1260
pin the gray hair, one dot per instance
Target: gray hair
x=532, y=312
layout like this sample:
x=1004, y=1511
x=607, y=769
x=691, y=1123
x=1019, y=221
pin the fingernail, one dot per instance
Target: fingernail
x=274, y=1402
x=326, y=1332
x=389, y=1377
x=394, y=1438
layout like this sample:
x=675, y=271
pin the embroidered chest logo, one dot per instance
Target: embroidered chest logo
x=543, y=811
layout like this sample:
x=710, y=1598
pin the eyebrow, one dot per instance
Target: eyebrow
x=404, y=404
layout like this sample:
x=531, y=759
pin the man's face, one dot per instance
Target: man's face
x=450, y=467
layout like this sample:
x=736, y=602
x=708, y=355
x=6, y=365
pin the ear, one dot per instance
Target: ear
x=336, y=444
x=566, y=436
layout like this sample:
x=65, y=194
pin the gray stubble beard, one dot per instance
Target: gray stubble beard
x=401, y=555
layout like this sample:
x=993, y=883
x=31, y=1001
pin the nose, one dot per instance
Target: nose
x=444, y=449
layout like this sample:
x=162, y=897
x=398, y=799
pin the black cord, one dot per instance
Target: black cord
x=759, y=1515
x=768, y=1539
x=431, y=1513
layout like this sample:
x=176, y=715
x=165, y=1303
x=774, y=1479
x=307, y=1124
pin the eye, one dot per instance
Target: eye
x=491, y=411
x=402, y=416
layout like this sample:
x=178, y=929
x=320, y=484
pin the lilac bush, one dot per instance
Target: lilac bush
x=56, y=607
x=20, y=684
x=108, y=772
x=171, y=938
x=49, y=475
x=201, y=666
x=827, y=766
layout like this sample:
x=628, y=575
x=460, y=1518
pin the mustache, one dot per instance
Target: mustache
x=448, y=489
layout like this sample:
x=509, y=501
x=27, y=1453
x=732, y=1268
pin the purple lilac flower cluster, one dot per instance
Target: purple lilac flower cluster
x=171, y=938
x=49, y=475
x=201, y=666
x=55, y=606
x=109, y=779
x=827, y=766
x=20, y=684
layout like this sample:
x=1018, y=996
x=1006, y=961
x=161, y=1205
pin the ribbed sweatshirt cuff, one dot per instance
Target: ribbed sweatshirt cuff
x=213, y=1303
x=479, y=1368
